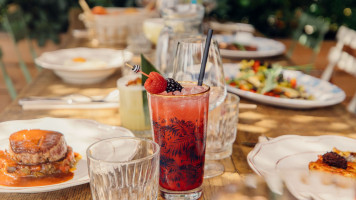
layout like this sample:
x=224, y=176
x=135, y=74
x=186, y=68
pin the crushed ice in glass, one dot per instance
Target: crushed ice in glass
x=187, y=90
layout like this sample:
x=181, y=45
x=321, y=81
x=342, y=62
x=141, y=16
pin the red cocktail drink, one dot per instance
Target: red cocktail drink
x=179, y=123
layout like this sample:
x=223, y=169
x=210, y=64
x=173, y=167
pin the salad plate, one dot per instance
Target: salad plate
x=323, y=93
x=78, y=133
x=288, y=157
x=263, y=47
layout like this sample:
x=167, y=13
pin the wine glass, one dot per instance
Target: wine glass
x=187, y=64
x=186, y=67
x=222, y=130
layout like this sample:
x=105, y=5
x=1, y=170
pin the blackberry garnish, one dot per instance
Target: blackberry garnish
x=173, y=85
x=334, y=160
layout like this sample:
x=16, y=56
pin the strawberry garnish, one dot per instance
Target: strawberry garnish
x=155, y=83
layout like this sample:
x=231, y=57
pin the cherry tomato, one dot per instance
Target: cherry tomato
x=293, y=82
x=242, y=87
x=256, y=65
x=269, y=93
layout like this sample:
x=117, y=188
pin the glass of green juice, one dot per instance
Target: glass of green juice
x=133, y=109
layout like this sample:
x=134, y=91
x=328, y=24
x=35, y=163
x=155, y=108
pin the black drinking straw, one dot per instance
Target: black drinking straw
x=205, y=57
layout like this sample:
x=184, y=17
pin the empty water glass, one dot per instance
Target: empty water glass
x=222, y=128
x=124, y=168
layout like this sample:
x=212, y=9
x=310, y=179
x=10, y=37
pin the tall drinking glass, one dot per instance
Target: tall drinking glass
x=123, y=168
x=134, y=112
x=179, y=124
x=187, y=64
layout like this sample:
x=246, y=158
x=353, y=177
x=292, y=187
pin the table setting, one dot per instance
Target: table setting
x=178, y=113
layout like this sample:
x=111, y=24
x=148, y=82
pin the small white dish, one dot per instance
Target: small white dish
x=289, y=157
x=325, y=93
x=78, y=133
x=265, y=47
x=98, y=64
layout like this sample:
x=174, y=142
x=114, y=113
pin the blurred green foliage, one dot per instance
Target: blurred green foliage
x=46, y=19
x=278, y=17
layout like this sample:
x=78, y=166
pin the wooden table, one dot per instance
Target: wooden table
x=265, y=120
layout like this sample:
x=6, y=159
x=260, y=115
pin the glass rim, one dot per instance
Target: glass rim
x=122, y=81
x=234, y=95
x=190, y=95
x=201, y=39
x=149, y=157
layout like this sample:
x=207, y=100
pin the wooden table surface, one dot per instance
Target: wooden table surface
x=265, y=120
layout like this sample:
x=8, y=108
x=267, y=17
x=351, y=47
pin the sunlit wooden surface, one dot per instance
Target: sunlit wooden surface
x=264, y=121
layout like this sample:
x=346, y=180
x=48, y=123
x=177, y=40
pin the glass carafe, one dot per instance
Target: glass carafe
x=181, y=20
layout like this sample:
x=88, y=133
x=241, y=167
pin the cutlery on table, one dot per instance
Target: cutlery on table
x=78, y=101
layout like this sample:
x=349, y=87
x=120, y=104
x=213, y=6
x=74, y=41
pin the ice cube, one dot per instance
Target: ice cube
x=178, y=93
x=196, y=89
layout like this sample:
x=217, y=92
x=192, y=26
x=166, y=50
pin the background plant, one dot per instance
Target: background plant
x=278, y=17
x=47, y=19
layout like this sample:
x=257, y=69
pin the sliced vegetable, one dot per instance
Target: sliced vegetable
x=264, y=78
x=293, y=82
x=256, y=65
x=254, y=81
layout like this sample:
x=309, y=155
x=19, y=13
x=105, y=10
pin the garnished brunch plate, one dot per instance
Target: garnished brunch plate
x=245, y=45
x=38, y=151
x=275, y=86
x=84, y=65
x=290, y=157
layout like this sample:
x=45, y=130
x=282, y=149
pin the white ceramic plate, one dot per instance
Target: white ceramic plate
x=265, y=47
x=325, y=93
x=232, y=26
x=100, y=63
x=78, y=133
x=293, y=153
